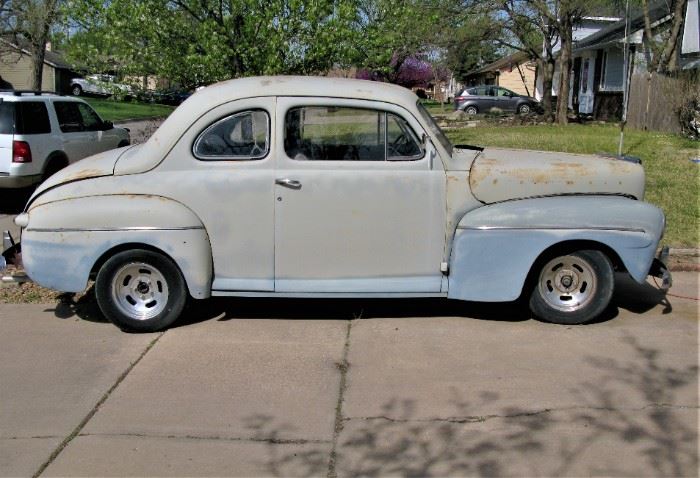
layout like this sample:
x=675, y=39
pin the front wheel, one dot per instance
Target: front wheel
x=140, y=291
x=573, y=288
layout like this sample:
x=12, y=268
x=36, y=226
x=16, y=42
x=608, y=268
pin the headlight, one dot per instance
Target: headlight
x=22, y=220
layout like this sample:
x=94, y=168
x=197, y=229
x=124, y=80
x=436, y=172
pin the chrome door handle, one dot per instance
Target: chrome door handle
x=290, y=183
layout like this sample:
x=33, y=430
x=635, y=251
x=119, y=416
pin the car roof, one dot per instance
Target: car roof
x=22, y=95
x=316, y=86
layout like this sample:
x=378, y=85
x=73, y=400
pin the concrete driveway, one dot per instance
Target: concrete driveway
x=345, y=388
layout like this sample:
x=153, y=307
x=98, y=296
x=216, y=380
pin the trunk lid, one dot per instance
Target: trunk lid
x=504, y=174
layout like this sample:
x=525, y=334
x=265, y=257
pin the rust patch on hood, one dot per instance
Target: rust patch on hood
x=501, y=175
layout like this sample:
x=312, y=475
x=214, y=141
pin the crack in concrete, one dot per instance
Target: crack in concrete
x=483, y=418
x=35, y=437
x=76, y=431
x=343, y=367
x=271, y=441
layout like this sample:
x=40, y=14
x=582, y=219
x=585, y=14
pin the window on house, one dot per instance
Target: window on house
x=612, y=73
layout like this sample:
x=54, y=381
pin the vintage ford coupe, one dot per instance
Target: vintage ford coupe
x=319, y=187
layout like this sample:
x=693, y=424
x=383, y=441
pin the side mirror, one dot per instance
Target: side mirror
x=107, y=125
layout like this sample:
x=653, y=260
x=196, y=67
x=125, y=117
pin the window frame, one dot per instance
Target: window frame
x=215, y=123
x=399, y=159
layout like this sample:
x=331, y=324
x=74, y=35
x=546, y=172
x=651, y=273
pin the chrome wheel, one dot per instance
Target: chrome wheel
x=139, y=291
x=471, y=110
x=567, y=283
x=524, y=109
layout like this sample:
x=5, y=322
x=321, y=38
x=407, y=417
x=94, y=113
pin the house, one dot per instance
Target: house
x=598, y=75
x=515, y=72
x=16, y=68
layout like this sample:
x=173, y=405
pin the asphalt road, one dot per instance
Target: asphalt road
x=254, y=387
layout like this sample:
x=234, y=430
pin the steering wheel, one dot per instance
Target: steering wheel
x=394, y=146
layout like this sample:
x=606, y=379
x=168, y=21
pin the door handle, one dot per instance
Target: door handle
x=289, y=183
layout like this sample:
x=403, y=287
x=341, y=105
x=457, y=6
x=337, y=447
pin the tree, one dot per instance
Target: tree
x=472, y=44
x=197, y=42
x=532, y=31
x=664, y=48
x=30, y=21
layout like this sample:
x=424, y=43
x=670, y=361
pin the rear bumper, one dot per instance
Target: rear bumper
x=8, y=181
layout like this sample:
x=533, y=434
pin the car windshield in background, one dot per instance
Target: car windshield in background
x=437, y=131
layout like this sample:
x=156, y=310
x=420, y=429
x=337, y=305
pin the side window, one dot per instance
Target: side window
x=503, y=92
x=329, y=133
x=401, y=140
x=69, y=119
x=90, y=120
x=243, y=135
x=32, y=118
x=7, y=117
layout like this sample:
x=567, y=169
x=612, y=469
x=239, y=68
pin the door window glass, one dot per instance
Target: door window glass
x=32, y=118
x=241, y=136
x=323, y=133
x=91, y=122
x=69, y=118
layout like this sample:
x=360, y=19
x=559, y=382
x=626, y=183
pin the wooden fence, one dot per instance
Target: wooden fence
x=656, y=100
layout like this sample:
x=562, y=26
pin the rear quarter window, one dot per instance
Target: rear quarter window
x=7, y=118
x=32, y=117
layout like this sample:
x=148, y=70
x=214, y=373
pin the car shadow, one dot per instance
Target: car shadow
x=12, y=201
x=629, y=295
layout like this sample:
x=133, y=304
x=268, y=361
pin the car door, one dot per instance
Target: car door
x=222, y=169
x=78, y=142
x=102, y=140
x=504, y=99
x=359, y=205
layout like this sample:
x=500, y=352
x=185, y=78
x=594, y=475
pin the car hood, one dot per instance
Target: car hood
x=504, y=174
x=91, y=167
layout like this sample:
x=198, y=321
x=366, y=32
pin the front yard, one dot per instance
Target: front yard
x=673, y=180
x=122, y=110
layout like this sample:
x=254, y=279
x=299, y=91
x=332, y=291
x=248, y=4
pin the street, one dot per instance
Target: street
x=260, y=387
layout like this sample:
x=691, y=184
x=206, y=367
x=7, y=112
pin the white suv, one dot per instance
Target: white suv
x=41, y=133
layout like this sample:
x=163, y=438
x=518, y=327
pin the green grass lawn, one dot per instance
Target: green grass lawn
x=673, y=181
x=120, y=110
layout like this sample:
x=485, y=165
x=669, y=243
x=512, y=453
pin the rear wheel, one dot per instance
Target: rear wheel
x=573, y=288
x=77, y=90
x=140, y=290
x=471, y=110
x=524, y=109
x=54, y=166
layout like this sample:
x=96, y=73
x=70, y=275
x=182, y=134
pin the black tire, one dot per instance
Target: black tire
x=524, y=109
x=140, y=291
x=77, y=90
x=123, y=144
x=471, y=110
x=54, y=166
x=573, y=288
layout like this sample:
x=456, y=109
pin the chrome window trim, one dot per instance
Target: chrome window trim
x=112, y=229
x=202, y=157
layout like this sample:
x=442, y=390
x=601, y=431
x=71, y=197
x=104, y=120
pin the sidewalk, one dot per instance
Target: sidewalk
x=259, y=387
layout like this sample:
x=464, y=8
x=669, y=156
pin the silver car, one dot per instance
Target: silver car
x=482, y=99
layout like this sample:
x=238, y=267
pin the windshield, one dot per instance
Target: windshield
x=434, y=128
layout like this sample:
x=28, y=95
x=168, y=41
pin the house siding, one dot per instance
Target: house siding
x=17, y=69
x=510, y=78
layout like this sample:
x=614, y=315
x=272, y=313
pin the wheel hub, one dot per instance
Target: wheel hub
x=567, y=283
x=140, y=291
x=566, y=280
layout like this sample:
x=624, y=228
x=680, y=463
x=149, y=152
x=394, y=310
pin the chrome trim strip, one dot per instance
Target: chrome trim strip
x=551, y=228
x=115, y=229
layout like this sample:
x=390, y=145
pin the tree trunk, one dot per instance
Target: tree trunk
x=38, y=54
x=39, y=38
x=547, y=68
x=566, y=35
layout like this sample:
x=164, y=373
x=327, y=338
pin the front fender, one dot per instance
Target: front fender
x=495, y=246
x=64, y=239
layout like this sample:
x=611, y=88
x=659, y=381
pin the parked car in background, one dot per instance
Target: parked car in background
x=329, y=187
x=99, y=85
x=481, y=99
x=42, y=133
x=171, y=96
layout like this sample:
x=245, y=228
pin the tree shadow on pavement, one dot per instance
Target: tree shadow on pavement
x=630, y=420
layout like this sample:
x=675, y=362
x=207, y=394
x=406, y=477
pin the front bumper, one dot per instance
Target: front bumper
x=660, y=270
